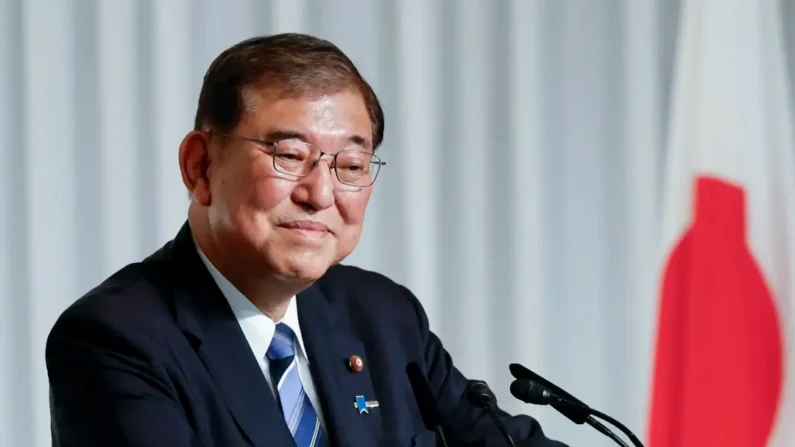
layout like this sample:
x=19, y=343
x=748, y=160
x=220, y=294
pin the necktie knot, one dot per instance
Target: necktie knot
x=283, y=343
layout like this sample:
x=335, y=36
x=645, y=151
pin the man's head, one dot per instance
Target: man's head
x=281, y=161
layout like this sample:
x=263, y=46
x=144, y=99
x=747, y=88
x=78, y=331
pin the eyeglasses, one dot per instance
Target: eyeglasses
x=293, y=157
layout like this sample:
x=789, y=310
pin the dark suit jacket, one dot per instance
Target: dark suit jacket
x=155, y=357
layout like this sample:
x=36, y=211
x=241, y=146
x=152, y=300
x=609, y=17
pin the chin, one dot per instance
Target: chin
x=304, y=267
x=303, y=274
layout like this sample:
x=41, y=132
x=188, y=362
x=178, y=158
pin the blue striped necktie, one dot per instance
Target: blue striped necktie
x=298, y=412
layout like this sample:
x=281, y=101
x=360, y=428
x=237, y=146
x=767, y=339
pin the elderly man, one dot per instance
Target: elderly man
x=246, y=329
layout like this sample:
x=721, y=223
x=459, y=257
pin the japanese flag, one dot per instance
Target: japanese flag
x=724, y=368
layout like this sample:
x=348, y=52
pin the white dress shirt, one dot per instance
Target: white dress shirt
x=259, y=330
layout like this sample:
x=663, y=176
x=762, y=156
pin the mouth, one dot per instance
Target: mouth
x=308, y=226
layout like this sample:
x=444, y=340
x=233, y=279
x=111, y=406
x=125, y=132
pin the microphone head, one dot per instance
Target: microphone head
x=425, y=400
x=530, y=391
x=577, y=413
x=479, y=394
x=520, y=372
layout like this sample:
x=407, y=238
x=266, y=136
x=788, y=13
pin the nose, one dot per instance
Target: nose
x=316, y=190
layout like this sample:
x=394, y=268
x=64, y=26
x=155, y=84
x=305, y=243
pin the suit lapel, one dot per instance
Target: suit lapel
x=205, y=316
x=329, y=345
x=240, y=380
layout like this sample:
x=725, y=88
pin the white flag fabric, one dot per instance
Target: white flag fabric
x=724, y=373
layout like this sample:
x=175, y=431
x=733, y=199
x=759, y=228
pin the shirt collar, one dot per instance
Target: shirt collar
x=257, y=327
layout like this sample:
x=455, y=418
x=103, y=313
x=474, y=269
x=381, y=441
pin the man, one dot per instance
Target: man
x=245, y=329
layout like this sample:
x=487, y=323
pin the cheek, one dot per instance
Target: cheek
x=352, y=206
x=254, y=187
x=270, y=191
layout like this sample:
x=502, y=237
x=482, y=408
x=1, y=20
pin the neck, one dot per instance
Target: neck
x=268, y=292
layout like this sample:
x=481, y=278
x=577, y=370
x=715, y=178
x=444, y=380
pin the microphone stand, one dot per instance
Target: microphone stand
x=539, y=391
x=596, y=424
x=480, y=395
x=634, y=439
x=441, y=441
x=605, y=431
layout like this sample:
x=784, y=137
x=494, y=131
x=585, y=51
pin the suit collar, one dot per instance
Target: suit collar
x=207, y=320
x=329, y=340
x=257, y=327
x=330, y=343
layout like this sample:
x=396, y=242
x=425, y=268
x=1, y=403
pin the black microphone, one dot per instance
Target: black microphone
x=479, y=394
x=425, y=401
x=575, y=414
x=533, y=392
x=577, y=411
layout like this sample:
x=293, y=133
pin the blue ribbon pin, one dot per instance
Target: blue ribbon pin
x=364, y=405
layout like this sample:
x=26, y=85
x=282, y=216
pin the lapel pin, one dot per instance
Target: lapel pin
x=355, y=363
x=364, y=405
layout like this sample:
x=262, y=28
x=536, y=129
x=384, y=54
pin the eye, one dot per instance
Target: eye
x=350, y=165
x=291, y=157
x=291, y=150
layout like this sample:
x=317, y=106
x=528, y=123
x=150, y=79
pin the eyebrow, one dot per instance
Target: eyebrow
x=288, y=134
x=284, y=134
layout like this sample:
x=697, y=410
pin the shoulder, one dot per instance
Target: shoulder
x=130, y=306
x=372, y=294
x=353, y=278
x=358, y=284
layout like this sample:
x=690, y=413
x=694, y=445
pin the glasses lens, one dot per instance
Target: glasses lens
x=353, y=167
x=293, y=157
x=357, y=168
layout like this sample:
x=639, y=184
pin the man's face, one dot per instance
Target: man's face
x=293, y=227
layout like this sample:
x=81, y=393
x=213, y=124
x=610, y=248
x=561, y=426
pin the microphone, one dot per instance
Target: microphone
x=479, y=394
x=577, y=411
x=533, y=392
x=575, y=414
x=573, y=408
x=425, y=401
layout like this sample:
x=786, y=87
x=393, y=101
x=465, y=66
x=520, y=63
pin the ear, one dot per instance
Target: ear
x=194, y=162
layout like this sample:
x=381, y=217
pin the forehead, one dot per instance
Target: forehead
x=342, y=115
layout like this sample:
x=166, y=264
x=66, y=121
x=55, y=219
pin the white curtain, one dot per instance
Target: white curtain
x=524, y=141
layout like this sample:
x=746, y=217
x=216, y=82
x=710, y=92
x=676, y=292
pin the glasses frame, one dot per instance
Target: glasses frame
x=273, y=145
